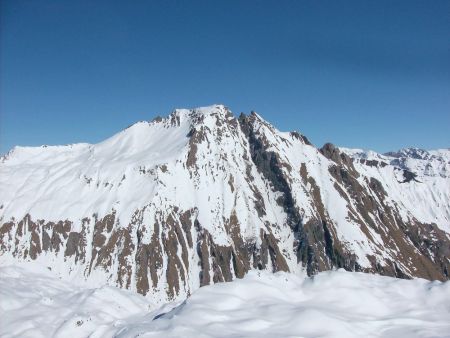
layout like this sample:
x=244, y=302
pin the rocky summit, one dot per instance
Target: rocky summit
x=201, y=196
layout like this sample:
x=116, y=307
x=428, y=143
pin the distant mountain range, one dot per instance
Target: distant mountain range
x=202, y=196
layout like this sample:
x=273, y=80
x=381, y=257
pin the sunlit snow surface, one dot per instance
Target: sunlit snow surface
x=332, y=304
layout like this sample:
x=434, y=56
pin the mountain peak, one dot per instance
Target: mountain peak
x=215, y=109
x=200, y=196
x=199, y=115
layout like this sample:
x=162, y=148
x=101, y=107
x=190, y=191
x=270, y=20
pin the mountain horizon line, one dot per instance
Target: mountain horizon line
x=158, y=117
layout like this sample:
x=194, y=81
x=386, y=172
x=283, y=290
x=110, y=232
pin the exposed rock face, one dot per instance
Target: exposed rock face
x=200, y=197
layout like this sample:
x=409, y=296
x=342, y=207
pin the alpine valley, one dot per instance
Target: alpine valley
x=199, y=197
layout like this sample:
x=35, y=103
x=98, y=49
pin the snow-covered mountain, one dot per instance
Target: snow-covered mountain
x=201, y=196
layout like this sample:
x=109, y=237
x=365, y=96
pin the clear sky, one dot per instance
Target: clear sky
x=369, y=74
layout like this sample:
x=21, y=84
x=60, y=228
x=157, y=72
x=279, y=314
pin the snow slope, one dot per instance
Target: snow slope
x=331, y=304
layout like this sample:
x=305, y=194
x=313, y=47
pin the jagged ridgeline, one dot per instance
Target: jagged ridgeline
x=201, y=197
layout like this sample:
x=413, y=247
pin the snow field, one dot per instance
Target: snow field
x=331, y=304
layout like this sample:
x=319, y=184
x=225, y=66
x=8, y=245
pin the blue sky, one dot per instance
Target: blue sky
x=370, y=74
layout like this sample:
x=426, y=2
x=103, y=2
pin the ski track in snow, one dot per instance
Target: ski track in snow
x=34, y=303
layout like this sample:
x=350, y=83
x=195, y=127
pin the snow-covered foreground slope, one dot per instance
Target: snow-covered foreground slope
x=331, y=304
x=35, y=303
x=201, y=196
